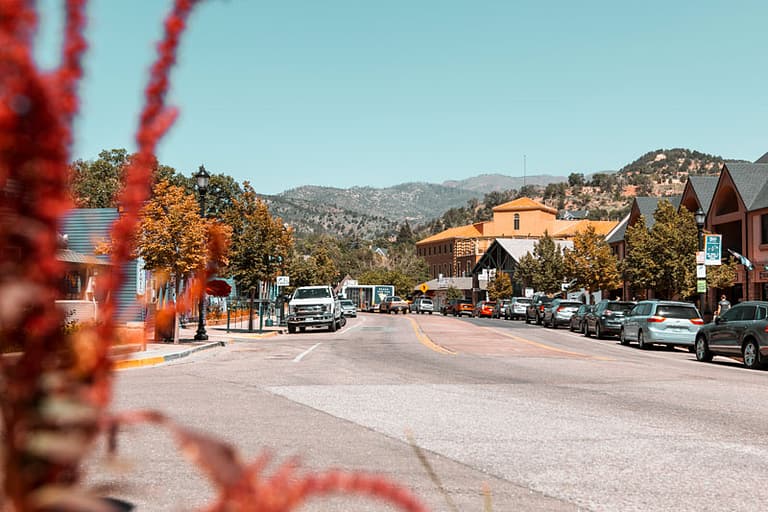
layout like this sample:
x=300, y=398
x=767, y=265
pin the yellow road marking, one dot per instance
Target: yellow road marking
x=424, y=340
x=136, y=363
x=546, y=347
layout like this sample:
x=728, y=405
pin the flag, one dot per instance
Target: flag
x=742, y=259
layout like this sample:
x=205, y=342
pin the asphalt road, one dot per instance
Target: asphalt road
x=547, y=419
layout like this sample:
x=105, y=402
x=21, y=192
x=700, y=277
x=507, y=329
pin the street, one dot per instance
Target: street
x=548, y=419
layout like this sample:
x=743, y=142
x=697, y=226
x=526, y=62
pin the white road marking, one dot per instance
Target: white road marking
x=306, y=352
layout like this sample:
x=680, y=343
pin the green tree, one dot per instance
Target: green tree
x=500, y=287
x=576, y=179
x=664, y=257
x=550, y=268
x=260, y=243
x=526, y=270
x=95, y=184
x=722, y=276
x=453, y=293
x=591, y=263
x=172, y=237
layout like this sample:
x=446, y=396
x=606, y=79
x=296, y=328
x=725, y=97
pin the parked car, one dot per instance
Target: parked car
x=666, y=322
x=500, y=310
x=559, y=312
x=348, y=308
x=517, y=307
x=576, y=323
x=452, y=306
x=484, y=308
x=422, y=305
x=606, y=318
x=742, y=331
x=534, y=312
x=393, y=303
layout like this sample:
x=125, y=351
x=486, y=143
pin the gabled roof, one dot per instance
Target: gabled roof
x=572, y=228
x=468, y=231
x=519, y=247
x=704, y=188
x=523, y=204
x=762, y=160
x=751, y=182
x=616, y=235
x=647, y=207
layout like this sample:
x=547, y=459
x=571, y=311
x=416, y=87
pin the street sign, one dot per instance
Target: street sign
x=423, y=287
x=701, y=271
x=713, y=248
x=283, y=280
x=701, y=286
x=700, y=257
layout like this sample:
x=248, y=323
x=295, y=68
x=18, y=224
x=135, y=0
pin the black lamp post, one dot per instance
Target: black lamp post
x=202, y=177
x=700, y=218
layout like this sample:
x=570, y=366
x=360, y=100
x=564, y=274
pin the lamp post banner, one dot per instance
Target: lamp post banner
x=713, y=248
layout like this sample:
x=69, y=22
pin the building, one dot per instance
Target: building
x=456, y=251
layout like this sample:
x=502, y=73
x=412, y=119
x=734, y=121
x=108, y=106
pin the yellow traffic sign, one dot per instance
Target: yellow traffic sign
x=423, y=287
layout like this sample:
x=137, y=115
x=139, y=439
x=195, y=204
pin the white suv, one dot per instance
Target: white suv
x=422, y=305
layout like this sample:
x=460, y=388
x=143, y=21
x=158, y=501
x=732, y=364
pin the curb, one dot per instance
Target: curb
x=253, y=335
x=152, y=361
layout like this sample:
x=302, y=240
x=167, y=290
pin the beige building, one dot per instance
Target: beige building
x=455, y=251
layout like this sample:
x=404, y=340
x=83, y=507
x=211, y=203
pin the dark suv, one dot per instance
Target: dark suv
x=606, y=318
x=742, y=331
x=534, y=312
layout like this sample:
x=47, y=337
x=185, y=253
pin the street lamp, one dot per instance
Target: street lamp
x=202, y=177
x=700, y=218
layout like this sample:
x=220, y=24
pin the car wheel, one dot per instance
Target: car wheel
x=585, y=329
x=538, y=320
x=291, y=329
x=623, y=337
x=702, y=350
x=332, y=327
x=641, y=341
x=554, y=323
x=751, y=354
x=527, y=320
x=598, y=331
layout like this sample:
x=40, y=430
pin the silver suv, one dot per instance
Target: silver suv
x=422, y=305
x=663, y=322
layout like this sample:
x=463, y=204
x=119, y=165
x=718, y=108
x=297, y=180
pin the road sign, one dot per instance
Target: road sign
x=701, y=271
x=283, y=280
x=713, y=247
x=423, y=287
x=701, y=286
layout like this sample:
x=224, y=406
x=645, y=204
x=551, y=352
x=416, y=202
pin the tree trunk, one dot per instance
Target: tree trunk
x=176, y=286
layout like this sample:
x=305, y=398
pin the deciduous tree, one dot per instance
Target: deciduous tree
x=500, y=287
x=550, y=269
x=95, y=184
x=591, y=263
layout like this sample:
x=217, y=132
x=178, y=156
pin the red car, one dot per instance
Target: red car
x=484, y=308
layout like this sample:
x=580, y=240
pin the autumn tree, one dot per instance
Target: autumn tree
x=500, y=287
x=722, y=276
x=172, y=237
x=260, y=243
x=591, y=263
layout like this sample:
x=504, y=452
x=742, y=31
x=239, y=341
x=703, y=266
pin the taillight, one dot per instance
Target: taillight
x=559, y=309
x=608, y=312
x=697, y=321
x=541, y=308
x=655, y=319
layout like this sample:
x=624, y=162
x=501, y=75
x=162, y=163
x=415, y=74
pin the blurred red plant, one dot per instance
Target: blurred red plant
x=55, y=393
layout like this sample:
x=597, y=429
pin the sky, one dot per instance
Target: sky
x=342, y=93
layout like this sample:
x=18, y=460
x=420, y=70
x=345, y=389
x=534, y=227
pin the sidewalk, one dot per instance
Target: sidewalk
x=159, y=353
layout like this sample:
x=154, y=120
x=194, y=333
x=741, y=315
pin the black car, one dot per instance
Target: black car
x=576, y=323
x=742, y=331
x=606, y=318
x=559, y=312
x=535, y=310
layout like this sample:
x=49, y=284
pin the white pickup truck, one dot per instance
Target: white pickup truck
x=314, y=306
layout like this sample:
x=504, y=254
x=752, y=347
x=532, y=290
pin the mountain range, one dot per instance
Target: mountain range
x=368, y=212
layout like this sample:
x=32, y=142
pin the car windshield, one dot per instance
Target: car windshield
x=623, y=307
x=676, y=311
x=395, y=298
x=312, y=293
x=347, y=303
x=571, y=305
x=523, y=301
x=426, y=301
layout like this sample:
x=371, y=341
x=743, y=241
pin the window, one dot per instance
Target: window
x=517, y=221
x=764, y=228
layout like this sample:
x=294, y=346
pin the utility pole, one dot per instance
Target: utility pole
x=524, y=170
